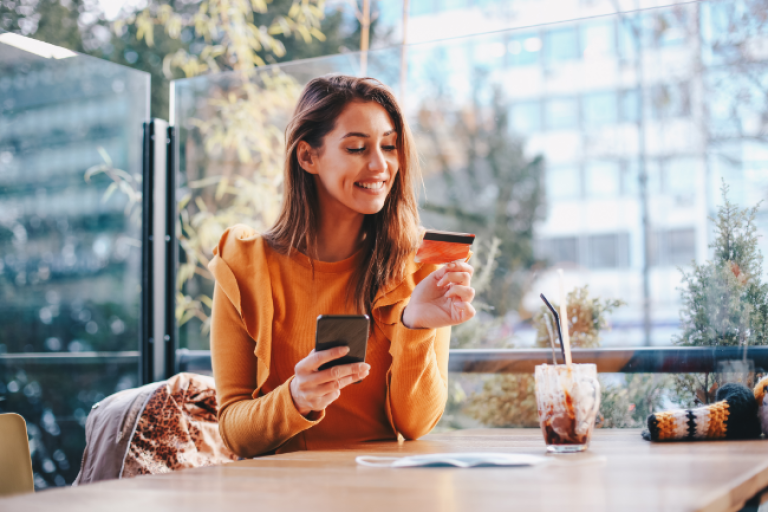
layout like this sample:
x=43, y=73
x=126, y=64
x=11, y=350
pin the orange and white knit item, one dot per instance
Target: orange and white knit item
x=702, y=423
x=733, y=416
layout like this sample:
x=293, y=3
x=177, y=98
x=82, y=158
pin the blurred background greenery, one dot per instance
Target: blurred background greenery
x=148, y=38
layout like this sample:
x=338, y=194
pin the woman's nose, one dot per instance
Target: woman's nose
x=377, y=162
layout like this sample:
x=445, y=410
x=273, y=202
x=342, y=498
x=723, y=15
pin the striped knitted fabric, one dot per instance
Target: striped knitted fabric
x=733, y=416
x=761, y=395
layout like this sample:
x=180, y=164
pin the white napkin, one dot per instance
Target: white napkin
x=459, y=460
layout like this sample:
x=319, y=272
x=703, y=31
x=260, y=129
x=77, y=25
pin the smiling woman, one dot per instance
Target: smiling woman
x=343, y=244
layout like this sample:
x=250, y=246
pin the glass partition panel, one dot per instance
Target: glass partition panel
x=70, y=224
x=597, y=146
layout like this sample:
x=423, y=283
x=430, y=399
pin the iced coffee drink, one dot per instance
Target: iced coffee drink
x=568, y=399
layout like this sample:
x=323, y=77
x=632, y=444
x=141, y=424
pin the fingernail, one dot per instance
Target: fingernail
x=342, y=350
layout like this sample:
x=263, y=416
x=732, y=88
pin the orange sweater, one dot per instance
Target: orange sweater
x=265, y=306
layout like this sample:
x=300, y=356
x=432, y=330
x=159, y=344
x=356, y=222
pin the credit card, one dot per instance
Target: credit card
x=440, y=247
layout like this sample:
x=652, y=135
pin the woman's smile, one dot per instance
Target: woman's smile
x=372, y=187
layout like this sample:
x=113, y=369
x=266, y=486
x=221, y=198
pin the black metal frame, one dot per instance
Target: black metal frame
x=172, y=257
x=608, y=360
x=148, y=365
x=146, y=360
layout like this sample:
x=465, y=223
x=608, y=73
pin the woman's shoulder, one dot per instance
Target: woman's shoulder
x=241, y=250
x=237, y=240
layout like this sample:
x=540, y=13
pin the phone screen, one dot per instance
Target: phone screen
x=342, y=330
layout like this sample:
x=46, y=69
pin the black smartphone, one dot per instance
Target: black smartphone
x=342, y=330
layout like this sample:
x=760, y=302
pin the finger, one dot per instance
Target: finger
x=357, y=377
x=318, y=359
x=462, y=278
x=336, y=373
x=323, y=389
x=460, y=266
x=321, y=402
x=464, y=311
x=461, y=293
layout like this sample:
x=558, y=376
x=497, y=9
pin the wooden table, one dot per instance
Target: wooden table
x=620, y=472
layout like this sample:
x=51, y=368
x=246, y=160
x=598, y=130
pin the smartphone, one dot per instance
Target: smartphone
x=342, y=330
x=440, y=247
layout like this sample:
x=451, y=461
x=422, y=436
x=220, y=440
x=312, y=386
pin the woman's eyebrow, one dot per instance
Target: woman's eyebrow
x=365, y=135
x=356, y=134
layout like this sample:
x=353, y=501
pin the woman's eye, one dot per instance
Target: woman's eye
x=355, y=150
x=389, y=148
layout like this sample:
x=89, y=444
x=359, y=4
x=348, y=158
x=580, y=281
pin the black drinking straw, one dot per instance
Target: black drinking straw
x=557, y=323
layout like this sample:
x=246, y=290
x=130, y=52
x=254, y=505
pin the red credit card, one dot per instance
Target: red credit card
x=439, y=247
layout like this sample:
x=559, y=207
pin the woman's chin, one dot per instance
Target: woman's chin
x=370, y=207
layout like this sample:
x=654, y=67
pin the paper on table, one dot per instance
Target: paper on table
x=459, y=460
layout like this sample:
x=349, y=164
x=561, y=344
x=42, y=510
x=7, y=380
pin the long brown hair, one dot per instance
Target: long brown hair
x=392, y=233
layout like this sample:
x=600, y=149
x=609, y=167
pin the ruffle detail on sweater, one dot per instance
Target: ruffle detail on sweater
x=238, y=258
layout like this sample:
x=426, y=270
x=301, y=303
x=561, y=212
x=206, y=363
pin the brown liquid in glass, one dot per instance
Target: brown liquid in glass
x=564, y=422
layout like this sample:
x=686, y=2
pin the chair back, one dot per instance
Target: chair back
x=15, y=461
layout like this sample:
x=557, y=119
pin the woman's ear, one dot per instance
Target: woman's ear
x=307, y=157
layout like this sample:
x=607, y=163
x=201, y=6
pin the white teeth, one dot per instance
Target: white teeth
x=373, y=186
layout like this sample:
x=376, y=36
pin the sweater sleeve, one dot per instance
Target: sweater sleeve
x=250, y=422
x=418, y=377
x=418, y=387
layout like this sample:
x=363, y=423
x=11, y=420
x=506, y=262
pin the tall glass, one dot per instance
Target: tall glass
x=568, y=399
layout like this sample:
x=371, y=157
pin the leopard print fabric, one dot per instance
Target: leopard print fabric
x=177, y=429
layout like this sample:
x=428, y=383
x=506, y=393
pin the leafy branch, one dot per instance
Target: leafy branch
x=229, y=37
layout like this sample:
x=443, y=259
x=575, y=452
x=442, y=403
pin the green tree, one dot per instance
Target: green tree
x=163, y=38
x=724, y=301
x=49, y=20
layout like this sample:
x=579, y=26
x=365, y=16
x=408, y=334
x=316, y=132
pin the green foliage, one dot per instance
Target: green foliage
x=226, y=31
x=239, y=134
x=627, y=402
x=586, y=318
x=168, y=39
x=724, y=301
x=508, y=400
x=51, y=21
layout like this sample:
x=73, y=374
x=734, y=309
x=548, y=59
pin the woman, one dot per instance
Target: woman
x=344, y=243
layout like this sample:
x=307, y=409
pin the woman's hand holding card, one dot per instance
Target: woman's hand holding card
x=443, y=298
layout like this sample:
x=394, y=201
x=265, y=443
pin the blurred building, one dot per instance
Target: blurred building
x=631, y=113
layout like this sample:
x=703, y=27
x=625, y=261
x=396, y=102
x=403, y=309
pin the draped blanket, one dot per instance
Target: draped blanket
x=157, y=428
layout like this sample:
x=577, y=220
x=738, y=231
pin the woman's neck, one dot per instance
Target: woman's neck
x=339, y=236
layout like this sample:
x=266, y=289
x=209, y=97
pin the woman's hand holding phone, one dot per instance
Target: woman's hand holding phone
x=314, y=390
x=443, y=298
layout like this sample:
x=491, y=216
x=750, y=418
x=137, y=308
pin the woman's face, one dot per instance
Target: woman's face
x=356, y=166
